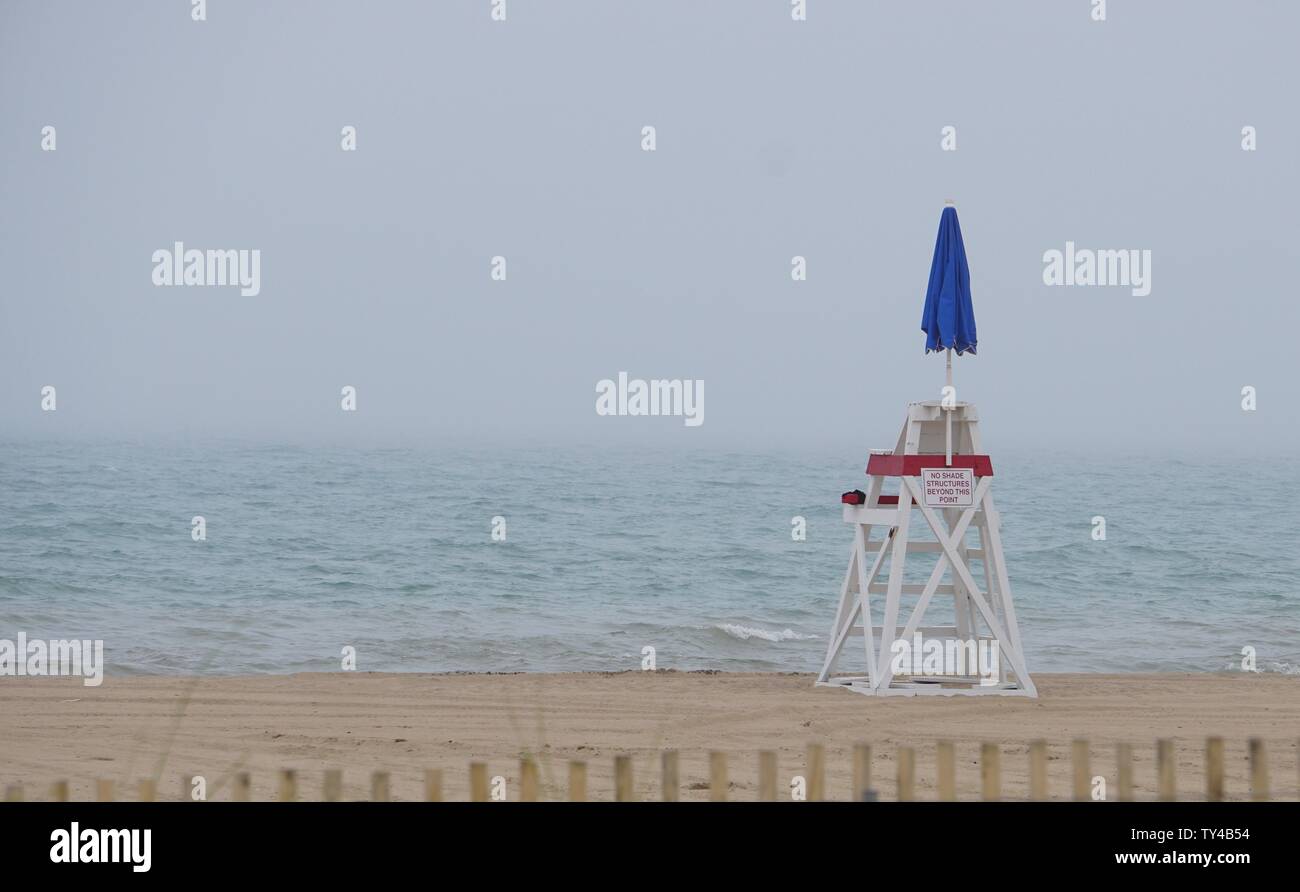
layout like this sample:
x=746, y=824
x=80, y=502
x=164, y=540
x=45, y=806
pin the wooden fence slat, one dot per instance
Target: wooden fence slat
x=241, y=790
x=767, y=776
x=1166, y=782
x=332, y=788
x=288, y=785
x=1124, y=771
x=816, y=772
x=861, y=771
x=945, y=756
x=990, y=772
x=528, y=783
x=148, y=791
x=14, y=793
x=623, y=789
x=379, y=790
x=717, y=776
x=433, y=785
x=906, y=774
x=577, y=781
x=59, y=792
x=670, y=785
x=104, y=790
x=1038, y=790
x=1258, y=771
x=1082, y=771
x=1214, y=769
x=478, y=782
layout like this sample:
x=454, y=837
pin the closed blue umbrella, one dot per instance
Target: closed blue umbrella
x=948, y=319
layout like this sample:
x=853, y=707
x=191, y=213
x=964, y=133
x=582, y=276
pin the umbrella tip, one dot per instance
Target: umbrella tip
x=949, y=202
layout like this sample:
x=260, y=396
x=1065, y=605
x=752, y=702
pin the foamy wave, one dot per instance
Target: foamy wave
x=1276, y=666
x=744, y=633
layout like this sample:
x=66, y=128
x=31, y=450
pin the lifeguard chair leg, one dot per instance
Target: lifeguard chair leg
x=1004, y=586
x=844, y=616
x=894, y=591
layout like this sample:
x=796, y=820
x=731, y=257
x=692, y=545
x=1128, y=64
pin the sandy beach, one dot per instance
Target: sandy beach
x=170, y=727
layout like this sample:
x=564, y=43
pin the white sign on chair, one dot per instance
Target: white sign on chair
x=948, y=487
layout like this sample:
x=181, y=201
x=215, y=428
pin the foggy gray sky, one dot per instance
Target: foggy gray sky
x=523, y=139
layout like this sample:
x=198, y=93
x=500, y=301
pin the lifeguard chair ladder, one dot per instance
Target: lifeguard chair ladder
x=980, y=614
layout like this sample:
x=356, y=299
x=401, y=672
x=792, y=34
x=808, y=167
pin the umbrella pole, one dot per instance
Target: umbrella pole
x=948, y=416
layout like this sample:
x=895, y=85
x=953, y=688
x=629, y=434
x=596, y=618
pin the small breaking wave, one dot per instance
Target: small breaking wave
x=1277, y=667
x=744, y=633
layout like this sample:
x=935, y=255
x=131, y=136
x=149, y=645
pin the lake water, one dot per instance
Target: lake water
x=309, y=550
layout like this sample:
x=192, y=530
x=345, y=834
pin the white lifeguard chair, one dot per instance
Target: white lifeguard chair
x=935, y=438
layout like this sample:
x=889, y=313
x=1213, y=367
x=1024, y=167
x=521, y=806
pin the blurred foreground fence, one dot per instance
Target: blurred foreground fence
x=810, y=784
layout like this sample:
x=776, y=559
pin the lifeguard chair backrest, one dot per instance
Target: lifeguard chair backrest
x=924, y=432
